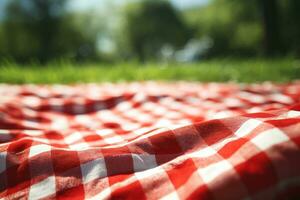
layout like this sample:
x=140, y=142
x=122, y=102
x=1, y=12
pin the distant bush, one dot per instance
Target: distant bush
x=233, y=26
x=248, y=28
x=42, y=30
x=149, y=25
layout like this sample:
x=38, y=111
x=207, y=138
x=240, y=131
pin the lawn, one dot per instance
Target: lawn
x=252, y=70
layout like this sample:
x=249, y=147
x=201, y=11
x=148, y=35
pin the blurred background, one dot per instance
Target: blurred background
x=38, y=32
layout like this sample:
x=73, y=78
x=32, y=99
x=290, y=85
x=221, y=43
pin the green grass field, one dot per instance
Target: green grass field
x=257, y=70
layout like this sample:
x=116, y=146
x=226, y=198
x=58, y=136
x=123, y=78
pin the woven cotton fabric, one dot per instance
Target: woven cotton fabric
x=150, y=140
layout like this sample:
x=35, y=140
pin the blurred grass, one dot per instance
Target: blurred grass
x=255, y=70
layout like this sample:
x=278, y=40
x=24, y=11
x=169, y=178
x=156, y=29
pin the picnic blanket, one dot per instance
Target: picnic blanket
x=150, y=140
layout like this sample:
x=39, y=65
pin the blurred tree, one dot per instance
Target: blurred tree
x=272, y=38
x=233, y=25
x=152, y=24
x=290, y=26
x=42, y=30
x=250, y=28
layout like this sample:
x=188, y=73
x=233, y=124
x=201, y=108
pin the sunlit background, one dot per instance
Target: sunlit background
x=39, y=32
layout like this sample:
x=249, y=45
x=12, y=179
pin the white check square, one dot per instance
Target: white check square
x=113, y=140
x=93, y=170
x=73, y=137
x=38, y=149
x=269, y=138
x=43, y=189
x=143, y=162
x=209, y=173
x=203, y=153
x=247, y=127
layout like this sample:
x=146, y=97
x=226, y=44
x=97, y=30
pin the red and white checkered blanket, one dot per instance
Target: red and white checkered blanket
x=150, y=141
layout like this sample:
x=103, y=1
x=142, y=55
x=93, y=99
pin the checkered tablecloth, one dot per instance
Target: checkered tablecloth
x=150, y=141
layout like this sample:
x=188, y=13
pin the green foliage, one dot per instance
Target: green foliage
x=42, y=30
x=290, y=16
x=233, y=25
x=149, y=25
x=254, y=70
x=243, y=28
x=45, y=30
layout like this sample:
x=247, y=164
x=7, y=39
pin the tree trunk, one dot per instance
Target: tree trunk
x=272, y=40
